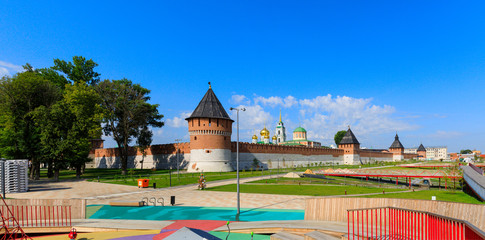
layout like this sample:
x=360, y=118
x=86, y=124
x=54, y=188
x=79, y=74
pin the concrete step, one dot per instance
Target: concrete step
x=316, y=235
x=285, y=236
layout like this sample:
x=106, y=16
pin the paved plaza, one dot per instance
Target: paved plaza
x=103, y=193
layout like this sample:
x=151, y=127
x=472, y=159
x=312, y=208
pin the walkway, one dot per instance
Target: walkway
x=103, y=193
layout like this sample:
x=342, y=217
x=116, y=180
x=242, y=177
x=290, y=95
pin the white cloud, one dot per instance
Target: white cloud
x=177, y=122
x=327, y=115
x=445, y=134
x=289, y=101
x=158, y=132
x=273, y=101
x=253, y=118
x=9, y=68
x=3, y=72
x=240, y=99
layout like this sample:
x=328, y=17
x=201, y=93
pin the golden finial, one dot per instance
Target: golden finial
x=210, y=85
x=280, y=114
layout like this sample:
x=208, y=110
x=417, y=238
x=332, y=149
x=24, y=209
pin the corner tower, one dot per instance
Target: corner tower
x=421, y=152
x=397, y=149
x=210, y=129
x=351, y=147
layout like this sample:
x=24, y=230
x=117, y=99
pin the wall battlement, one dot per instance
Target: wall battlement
x=158, y=149
x=374, y=154
x=245, y=147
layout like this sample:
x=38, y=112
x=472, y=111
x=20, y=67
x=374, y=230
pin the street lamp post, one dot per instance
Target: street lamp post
x=177, y=153
x=237, y=160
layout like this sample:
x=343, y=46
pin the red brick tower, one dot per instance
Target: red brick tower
x=351, y=147
x=210, y=129
x=421, y=152
x=397, y=149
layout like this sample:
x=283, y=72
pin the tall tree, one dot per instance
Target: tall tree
x=79, y=70
x=68, y=125
x=20, y=95
x=127, y=115
x=338, y=136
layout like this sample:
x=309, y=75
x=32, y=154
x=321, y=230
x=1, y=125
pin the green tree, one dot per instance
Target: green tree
x=127, y=115
x=67, y=127
x=465, y=151
x=79, y=70
x=338, y=136
x=20, y=96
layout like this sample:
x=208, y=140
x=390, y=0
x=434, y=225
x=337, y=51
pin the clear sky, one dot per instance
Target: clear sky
x=415, y=67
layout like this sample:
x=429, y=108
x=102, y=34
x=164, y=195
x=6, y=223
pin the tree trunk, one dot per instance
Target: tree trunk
x=78, y=172
x=35, y=173
x=50, y=169
x=124, y=160
x=56, y=175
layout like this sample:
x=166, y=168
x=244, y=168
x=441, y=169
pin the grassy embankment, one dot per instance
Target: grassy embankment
x=308, y=190
x=338, y=186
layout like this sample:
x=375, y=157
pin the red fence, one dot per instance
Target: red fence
x=403, y=224
x=38, y=216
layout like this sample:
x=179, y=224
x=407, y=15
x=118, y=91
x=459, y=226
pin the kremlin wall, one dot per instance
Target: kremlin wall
x=210, y=148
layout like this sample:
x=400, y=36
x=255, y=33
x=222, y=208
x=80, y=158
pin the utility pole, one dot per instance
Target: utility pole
x=177, y=153
x=237, y=160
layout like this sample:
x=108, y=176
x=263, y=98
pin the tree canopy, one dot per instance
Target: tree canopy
x=68, y=126
x=465, y=151
x=79, y=70
x=127, y=115
x=338, y=136
x=20, y=96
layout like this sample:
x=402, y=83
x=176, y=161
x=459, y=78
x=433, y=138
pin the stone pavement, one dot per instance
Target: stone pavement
x=103, y=193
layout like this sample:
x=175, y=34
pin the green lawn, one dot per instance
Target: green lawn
x=91, y=173
x=309, y=190
x=441, y=195
x=166, y=180
x=332, y=180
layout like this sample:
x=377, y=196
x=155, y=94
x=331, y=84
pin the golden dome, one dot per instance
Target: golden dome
x=265, y=132
x=266, y=136
x=255, y=137
x=274, y=138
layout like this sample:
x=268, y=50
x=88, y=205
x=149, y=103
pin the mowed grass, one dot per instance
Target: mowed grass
x=308, y=190
x=90, y=173
x=332, y=180
x=441, y=195
x=166, y=180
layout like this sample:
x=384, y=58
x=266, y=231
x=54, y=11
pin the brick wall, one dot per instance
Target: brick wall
x=245, y=147
x=152, y=150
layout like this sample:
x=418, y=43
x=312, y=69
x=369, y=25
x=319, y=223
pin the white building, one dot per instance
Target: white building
x=432, y=153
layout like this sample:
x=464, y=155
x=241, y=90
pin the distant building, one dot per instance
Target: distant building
x=300, y=138
x=431, y=153
x=280, y=132
x=279, y=138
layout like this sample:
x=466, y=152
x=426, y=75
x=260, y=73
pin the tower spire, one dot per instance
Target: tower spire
x=280, y=114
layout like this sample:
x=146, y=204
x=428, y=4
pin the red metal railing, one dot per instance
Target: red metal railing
x=9, y=226
x=479, y=170
x=403, y=224
x=38, y=216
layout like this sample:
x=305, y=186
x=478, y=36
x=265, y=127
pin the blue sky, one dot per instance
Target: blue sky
x=380, y=66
